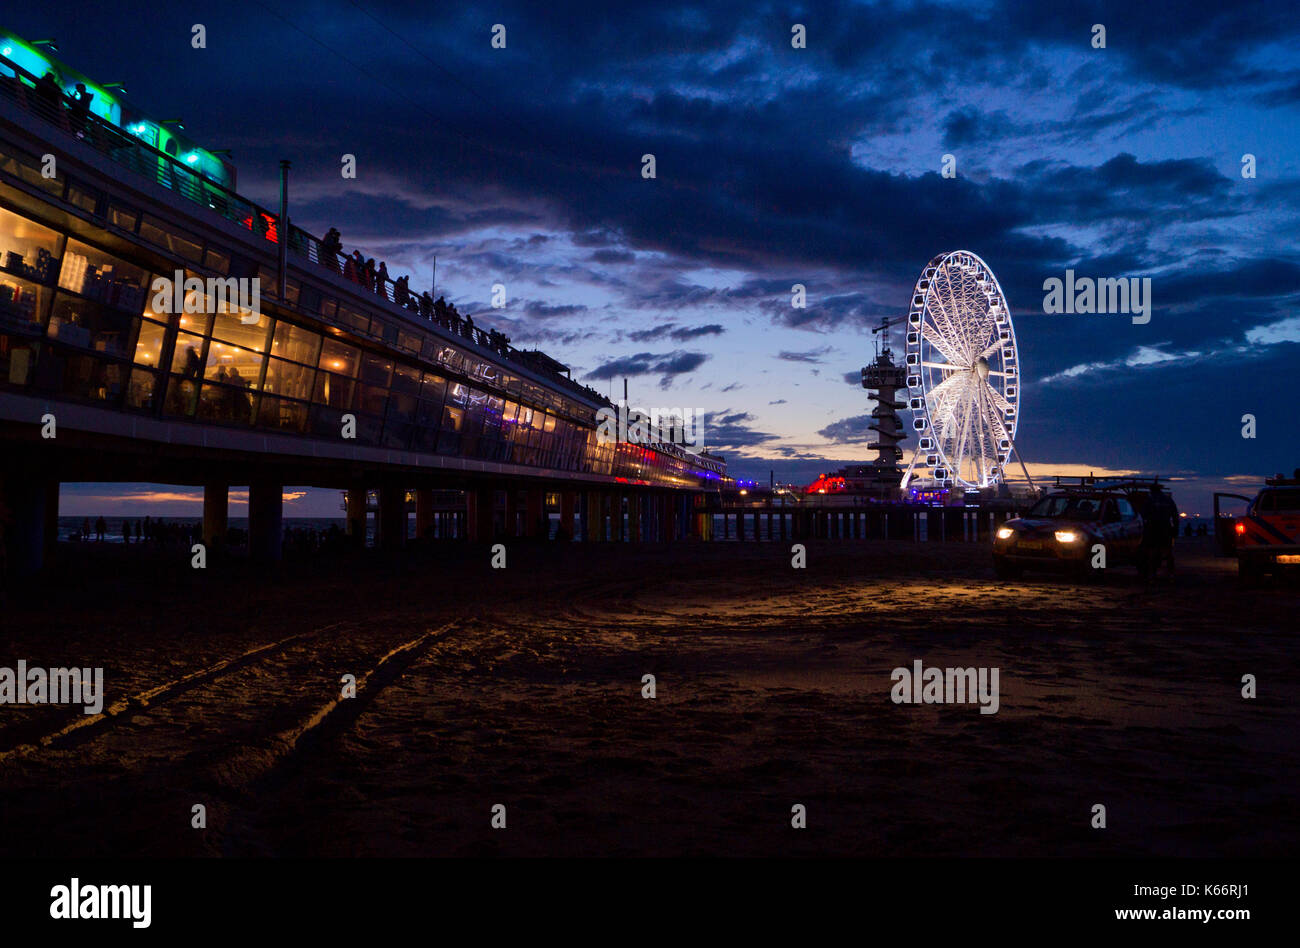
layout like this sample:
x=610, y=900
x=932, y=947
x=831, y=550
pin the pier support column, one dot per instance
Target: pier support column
x=392, y=517
x=216, y=513
x=480, y=509
x=424, y=516
x=634, y=517
x=567, y=502
x=51, y=517
x=356, y=513
x=265, y=520
x=512, y=512
x=27, y=499
x=536, y=523
x=593, y=518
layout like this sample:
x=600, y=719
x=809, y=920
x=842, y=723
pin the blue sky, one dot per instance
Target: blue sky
x=778, y=166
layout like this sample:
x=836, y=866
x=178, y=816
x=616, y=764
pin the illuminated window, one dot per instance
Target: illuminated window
x=293, y=342
x=289, y=379
x=338, y=358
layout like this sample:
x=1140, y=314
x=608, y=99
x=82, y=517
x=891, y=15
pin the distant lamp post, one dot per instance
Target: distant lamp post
x=119, y=86
x=49, y=44
x=180, y=127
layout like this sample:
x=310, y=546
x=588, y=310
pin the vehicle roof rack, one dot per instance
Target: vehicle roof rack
x=1093, y=483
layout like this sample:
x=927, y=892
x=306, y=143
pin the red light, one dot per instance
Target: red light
x=1241, y=529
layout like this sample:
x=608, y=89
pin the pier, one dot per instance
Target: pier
x=325, y=382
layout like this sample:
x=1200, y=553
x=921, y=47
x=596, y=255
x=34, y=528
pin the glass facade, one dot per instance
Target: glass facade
x=82, y=324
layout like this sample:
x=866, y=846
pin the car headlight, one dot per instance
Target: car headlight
x=1066, y=536
x=1005, y=533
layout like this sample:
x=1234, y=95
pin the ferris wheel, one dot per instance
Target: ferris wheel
x=963, y=374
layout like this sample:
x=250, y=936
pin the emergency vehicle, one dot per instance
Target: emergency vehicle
x=1266, y=539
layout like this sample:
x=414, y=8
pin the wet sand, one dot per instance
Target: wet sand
x=523, y=687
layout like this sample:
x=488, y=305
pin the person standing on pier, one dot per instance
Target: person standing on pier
x=100, y=529
x=126, y=532
x=81, y=108
x=381, y=279
x=330, y=248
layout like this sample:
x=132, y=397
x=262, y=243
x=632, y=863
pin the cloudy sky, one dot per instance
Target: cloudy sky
x=777, y=166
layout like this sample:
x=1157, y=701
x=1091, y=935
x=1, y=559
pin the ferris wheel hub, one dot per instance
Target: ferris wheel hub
x=982, y=367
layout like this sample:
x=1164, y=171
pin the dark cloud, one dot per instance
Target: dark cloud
x=649, y=363
x=812, y=355
x=687, y=333
x=729, y=430
x=847, y=429
x=613, y=256
x=677, y=333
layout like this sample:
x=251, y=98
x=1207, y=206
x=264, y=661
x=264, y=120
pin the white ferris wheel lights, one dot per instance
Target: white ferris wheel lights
x=962, y=373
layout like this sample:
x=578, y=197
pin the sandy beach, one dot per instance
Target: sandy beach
x=523, y=687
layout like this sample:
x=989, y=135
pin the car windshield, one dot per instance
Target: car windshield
x=1066, y=507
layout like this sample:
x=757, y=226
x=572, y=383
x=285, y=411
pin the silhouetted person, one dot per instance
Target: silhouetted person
x=330, y=248
x=126, y=532
x=81, y=107
x=85, y=530
x=381, y=279
x=193, y=364
x=49, y=93
x=401, y=295
x=1159, y=527
x=241, y=404
x=100, y=529
x=469, y=327
x=426, y=305
x=369, y=274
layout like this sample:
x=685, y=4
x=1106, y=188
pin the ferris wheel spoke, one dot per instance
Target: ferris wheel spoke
x=953, y=310
x=959, y=455
x=941, y=318
x=944, y=397
x=939, y=339
x=942, y=390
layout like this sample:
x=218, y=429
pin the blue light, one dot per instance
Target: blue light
x=7, y=50
x=192, y=157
